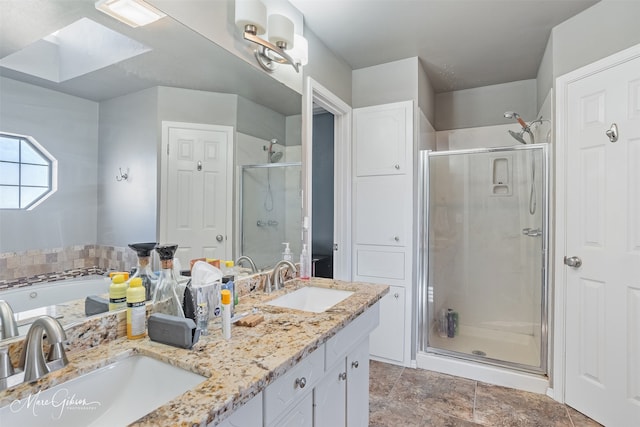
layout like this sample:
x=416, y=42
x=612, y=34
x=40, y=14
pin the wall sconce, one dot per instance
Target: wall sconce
x=135, y=13
x=251, y=18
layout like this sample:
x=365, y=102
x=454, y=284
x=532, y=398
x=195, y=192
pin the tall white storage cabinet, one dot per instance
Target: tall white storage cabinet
x=382, y=219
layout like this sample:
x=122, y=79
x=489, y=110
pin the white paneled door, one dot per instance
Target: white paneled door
x=196, y=204
x=603, y=233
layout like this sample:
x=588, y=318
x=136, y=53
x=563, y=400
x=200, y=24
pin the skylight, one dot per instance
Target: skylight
x=73, y=51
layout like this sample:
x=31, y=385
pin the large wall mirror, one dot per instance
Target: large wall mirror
x=100, y=96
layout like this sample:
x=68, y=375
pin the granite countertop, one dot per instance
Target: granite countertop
x=237, y=369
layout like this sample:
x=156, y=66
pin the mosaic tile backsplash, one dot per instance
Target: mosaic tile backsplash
x=35, y=266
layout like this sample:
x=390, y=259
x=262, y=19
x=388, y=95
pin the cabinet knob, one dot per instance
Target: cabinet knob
x=301, y=382
x=355, y=364
x=342, y=376
x=396, y=238
x=396, y=295
x=397, y=167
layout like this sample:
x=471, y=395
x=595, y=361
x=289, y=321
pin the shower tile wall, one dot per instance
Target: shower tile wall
x=486, y=288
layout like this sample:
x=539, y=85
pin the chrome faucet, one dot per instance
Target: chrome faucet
x=32, y=360
x=252, y=264
x=8, y=325
x=275, y=281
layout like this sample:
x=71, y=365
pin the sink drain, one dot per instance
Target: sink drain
x=479, y=353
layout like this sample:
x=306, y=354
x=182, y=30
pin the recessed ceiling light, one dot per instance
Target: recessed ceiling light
x=135, y=13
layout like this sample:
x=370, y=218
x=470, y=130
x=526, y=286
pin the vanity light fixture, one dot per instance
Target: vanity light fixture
x=135, y=13
x=251, y=18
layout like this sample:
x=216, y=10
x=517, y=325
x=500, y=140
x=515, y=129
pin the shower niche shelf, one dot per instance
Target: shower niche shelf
x=501, y=176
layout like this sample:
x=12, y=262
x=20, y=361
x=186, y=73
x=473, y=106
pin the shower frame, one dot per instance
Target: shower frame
x=424, y=316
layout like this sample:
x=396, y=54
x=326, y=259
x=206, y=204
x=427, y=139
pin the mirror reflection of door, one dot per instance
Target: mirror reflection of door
x=196, y=199
x=323, y=193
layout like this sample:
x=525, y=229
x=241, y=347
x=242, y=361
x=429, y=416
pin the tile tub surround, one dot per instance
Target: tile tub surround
x=237, y=369
x=47, y=265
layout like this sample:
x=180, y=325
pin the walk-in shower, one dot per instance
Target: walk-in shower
x=483, y=257
x=270, y=210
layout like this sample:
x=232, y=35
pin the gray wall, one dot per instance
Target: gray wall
x=426, y=95
x=604, y=29
x=323, y=152
x=327, y=68
x=129, y=135
x=381, y=84
x=485, y=106
x=67, y=127
x=259, y=121
x=544, y=79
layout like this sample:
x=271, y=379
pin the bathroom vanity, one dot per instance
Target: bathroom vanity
x=296, y=366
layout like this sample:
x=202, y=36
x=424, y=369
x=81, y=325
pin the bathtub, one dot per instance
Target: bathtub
x=29, y=302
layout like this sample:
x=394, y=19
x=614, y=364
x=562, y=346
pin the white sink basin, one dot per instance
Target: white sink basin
x=310, y=298
x=117, y=394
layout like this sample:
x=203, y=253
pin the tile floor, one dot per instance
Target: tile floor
x=404, y=397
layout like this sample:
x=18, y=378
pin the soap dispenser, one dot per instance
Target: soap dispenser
x=287, y=255
x=305, y=263
x=148, y=277
x=168, y=295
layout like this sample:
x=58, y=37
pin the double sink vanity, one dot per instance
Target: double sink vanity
x=307, y=363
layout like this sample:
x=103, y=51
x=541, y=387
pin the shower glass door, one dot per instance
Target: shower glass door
x=484, y=246
x=270, y=211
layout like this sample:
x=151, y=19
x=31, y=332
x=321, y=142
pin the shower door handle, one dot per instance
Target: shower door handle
x=573, y=261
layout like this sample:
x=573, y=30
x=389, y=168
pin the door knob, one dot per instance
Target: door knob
x=573, y=261
x=219, y=237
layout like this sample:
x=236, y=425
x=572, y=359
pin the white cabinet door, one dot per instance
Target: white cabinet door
x=293, y=385
x=248, y=415
x=381, y=207
x=382, y=136
x=330, y=398
x=387, y=341
x=603, y=229
x=358, y=386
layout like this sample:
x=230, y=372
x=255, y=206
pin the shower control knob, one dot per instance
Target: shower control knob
x=573, y=261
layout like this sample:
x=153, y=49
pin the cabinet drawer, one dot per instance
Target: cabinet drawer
x=300, y=380
x=385, y=264
x=338, y=345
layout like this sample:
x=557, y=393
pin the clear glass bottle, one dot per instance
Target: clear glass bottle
x=143, y=271
x=169, y=295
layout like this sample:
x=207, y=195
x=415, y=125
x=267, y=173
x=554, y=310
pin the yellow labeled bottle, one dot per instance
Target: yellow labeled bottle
x=118, y=292
x=136, y=309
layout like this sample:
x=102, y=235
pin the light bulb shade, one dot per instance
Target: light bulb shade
x=281, y=30
x=300, y=51
x=251, y=12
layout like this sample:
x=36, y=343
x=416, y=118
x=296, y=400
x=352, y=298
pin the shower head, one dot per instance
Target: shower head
x=272, y=156
x=276, y=156
x=514, y=115
x=518, y=136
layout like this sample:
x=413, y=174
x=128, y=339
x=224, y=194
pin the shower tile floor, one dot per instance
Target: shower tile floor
x=405, y=397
